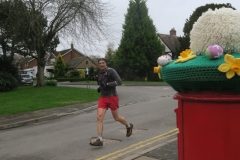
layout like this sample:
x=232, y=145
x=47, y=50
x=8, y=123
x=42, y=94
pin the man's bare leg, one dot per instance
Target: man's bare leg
x=100, y=116
x=129, y=126
x=118, y=118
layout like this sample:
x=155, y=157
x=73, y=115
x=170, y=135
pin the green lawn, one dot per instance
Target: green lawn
x=30, y=98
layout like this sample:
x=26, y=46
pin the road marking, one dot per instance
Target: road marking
x=138, y=145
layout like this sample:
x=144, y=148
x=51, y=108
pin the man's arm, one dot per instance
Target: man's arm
x=117, y=80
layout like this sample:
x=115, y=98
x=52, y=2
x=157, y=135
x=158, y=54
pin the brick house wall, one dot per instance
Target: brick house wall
x=29, y=63
x=69, y=56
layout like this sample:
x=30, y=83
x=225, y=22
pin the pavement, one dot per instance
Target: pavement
x=166, y=150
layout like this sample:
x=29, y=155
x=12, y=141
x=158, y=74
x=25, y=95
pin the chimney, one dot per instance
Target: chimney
x=71, y=45
x=173, y=32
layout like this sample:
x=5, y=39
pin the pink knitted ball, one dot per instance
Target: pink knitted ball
x=214, y=51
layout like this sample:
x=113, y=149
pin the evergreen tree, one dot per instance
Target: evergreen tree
x=140, y=46
x=185, y=40
x=59, y=66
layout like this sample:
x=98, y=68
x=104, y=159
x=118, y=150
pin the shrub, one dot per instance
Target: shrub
x=7, y=81
x=51, y=82
x=68, y=74
x=6, y=65
x=59, y=66
x=82, y=73
x=74, y=73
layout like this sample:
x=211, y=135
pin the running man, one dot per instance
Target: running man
x=108, y=79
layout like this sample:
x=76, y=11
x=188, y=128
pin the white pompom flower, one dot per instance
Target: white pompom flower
x=221, y=26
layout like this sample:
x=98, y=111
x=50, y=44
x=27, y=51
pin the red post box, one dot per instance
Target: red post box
x=209, y=125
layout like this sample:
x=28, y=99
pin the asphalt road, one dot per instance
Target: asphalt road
x=149, y=108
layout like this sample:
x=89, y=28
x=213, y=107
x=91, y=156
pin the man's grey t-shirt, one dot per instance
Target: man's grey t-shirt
x=111, y=77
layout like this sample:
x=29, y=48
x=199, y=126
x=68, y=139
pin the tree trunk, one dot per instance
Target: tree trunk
x=40, y=72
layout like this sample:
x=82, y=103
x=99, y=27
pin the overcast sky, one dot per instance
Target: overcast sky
x=166, y=14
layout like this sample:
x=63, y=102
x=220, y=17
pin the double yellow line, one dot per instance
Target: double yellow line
x=138, y=145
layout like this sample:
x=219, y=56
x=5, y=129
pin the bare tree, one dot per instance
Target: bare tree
x=81, y=21
x=110, y=54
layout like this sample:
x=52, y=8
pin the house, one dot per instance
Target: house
x=81, y=63
x=171, y=43
x=28, y=63
x=73, y=58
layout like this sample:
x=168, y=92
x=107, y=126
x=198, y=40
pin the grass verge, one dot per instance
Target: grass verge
x=30, y=98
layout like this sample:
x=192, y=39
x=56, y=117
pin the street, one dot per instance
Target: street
x=149, y=108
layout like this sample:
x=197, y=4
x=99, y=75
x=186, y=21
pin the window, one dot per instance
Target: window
x=52, y=60
x=86, y=62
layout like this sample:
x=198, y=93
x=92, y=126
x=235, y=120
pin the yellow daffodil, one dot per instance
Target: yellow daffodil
x=185, y=56
x=158, y=70
x=231, y=66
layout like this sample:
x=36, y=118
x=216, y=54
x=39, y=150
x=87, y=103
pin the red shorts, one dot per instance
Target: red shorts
x=108, y=102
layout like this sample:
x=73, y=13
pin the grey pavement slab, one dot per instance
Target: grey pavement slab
x=168, y=151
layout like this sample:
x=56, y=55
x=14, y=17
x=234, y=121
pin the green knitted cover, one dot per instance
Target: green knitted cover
x=198, y=74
